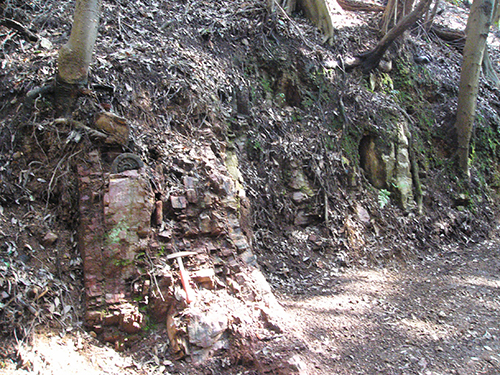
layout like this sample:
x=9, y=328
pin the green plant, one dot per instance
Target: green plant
x=383, y=197
x=122, y=262
x=280, y=99
x=307, y=102
x=329, y=143
x=266, y=85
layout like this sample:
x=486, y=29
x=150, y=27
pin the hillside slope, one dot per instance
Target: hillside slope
x=226, y=90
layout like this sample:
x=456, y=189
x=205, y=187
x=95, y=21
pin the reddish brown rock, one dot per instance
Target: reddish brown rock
x=116, y=127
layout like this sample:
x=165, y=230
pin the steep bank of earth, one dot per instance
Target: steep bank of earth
x=227, y=86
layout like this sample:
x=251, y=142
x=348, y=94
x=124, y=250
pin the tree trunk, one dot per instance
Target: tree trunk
x=488, y=70
x=430, y=16
x=75, y=56
x=371, y=59
x=317, y=11
x=389, y=16
x=360, y=6
x=393, y=13
x=478, y=25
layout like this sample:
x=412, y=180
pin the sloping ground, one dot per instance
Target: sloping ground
x=261, y=93
x=438, y=315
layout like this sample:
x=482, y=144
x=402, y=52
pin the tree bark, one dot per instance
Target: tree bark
x=478, y=25
x=371, y=59
x=389, y=16
x=430, y=16
x=488, y=70
x=393, y=13
x=317, y=11
x=75, y=56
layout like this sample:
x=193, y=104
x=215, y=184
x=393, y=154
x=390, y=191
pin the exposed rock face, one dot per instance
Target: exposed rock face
x=114, y=228
x=387, y=163
x=128, y=204
x=131, y=220
x=114, y=126
x=91, y=233
x=377, y=160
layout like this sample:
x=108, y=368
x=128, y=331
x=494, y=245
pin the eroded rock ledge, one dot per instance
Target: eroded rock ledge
x=132, y=220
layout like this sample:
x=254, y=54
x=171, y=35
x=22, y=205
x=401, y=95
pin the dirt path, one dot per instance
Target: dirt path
x=439, y=315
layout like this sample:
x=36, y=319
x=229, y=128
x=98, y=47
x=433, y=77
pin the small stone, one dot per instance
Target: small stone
x=208, y=200
x=131, y=320
x=205, y=223
x=189, y=182
x=385, y=65
x=204, y=277
x=301, y=218
x=165, y=234
x=93, y=316
x=191, y=195
x=49, y=239
x=363, y=214
x=297, y=364
x=115, y=126
x=249, y=258
x=178, y=203
x=206, y=328
x=298, y=197
x=226, y=251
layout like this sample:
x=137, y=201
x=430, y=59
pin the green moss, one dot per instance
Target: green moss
x=122, y=262
x=113, y=235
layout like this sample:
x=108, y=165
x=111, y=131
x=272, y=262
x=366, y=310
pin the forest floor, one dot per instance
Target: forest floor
x=437, y=315
x=397, y=293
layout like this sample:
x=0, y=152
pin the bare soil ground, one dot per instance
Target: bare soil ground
x=437, y=315
x=397, y=293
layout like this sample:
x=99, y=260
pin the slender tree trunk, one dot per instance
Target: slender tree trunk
x=488, y=70
x=389, y=17
x=371, y=58
x=429, y=17
x=478, y=25
x=75, y=56
x=394, y=11
x=317, y=11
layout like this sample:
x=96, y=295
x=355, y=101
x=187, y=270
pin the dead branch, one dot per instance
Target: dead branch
x=14, y=25
x=372, y=58
x=360, y=6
